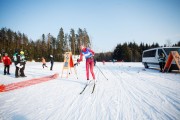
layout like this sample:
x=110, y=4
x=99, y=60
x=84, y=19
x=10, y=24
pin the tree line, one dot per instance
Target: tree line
x=128, y=52
x=45, y=46
x=49, y=45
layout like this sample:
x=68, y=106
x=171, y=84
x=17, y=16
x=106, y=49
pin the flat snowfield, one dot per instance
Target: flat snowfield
x=130, y=93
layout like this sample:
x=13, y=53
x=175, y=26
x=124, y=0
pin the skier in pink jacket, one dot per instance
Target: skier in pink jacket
x=88, y=53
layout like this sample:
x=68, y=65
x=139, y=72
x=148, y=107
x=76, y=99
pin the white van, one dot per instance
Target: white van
x=150, y=57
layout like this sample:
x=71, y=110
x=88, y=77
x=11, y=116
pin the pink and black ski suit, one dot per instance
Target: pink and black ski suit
x=88, y=53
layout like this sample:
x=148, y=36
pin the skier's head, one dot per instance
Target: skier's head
x=51, y=55
x=22, y=53
x=6, y=54
x=16, y=50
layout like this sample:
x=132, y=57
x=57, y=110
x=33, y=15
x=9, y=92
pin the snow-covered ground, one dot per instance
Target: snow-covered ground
x=130, y=93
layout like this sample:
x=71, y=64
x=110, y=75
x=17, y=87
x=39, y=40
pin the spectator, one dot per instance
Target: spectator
x=161, y=60
x=7, y=62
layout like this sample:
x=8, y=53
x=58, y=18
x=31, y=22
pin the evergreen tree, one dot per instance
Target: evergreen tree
x=117, y=54
x=49, y=44
x=86, y=39
x=44, y=46
x=3, y=40
x=177, y=44
x=80, y=38
x=66, y=45
x=10, y=41
x=60, y=44
x=72, y=40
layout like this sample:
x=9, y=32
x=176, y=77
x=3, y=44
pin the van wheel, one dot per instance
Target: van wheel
x=145, y=65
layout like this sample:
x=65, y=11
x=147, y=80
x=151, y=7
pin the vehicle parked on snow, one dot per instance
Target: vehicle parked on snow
x=150, y=57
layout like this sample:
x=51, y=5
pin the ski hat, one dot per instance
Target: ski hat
x=51, y=55
x=21, y=52
x=16, y=50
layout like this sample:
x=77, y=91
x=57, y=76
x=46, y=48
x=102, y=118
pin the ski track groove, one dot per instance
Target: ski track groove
x=146, y=100
x=76, y=105
x=129, y=88
x=164, y=93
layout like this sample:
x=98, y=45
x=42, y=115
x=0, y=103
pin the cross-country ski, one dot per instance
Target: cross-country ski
x=92, y=85
x=93, y=88
x=83, y=89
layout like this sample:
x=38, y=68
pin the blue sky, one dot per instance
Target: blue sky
x=108, y=22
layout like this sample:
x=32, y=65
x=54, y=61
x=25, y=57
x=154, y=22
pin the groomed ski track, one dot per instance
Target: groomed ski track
x=130, y=93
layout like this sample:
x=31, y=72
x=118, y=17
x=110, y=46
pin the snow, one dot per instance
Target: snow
x=130, y=93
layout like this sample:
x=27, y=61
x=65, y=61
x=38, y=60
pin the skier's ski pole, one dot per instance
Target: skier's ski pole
x=75, y=72
x=75, y=69
x=102, y=72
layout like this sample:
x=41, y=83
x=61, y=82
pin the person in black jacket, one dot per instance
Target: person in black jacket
x=16, y=59
x=161, y=60
x=52, y=61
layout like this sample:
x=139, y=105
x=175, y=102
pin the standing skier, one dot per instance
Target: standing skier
x=52, y=61
x=7, y=62
x=162, y=60
x=88, y=53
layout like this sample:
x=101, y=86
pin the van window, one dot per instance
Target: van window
x=167, y=50
x=151, y=53
x=160, y=51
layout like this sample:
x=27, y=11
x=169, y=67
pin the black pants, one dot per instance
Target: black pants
x=161, y=64
x=16, y=72
x=22, y=69
x=6, y=69
x=51, y=65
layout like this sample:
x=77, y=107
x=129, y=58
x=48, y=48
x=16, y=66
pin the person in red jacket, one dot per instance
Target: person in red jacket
x=88, y=53
x=7, y=62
